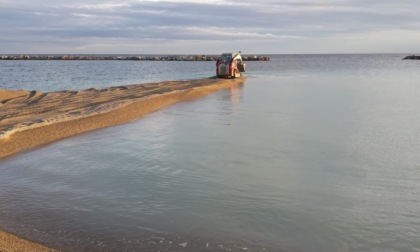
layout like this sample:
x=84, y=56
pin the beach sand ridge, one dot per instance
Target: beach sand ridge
x=32, y=118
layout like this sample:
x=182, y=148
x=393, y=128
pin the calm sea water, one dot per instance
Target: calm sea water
x=312, y=153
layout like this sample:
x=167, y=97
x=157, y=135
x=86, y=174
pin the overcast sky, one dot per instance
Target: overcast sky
x=209, y=26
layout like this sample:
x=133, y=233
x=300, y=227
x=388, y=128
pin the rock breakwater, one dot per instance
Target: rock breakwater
x=131, y=57
x=412, y=57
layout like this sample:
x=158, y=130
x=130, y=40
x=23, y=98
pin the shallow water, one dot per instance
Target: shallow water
x=55, y=75
x=312, y=153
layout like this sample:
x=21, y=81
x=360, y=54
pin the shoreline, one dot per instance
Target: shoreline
x=13, y=243
x=30, y=119
x=106, y=107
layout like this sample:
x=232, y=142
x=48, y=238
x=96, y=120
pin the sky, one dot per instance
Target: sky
x=209, y=26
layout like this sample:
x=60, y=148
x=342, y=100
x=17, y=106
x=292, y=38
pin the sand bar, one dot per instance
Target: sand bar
x=12, y=243
x=31, y=118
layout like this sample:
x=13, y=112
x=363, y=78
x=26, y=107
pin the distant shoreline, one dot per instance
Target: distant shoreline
x=136, y=58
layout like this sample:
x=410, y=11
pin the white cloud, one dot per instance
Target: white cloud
x=83, y=15
x=235, y=33
x=183, y=1
x=283, y=26
x=107, y=6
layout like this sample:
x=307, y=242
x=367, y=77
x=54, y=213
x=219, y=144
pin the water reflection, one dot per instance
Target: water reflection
x=291, y=163
x=236, y=92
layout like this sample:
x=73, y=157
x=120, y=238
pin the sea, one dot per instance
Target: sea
x=312, y=153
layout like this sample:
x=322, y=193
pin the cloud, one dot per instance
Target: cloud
x=101, y=6
x=264, y=26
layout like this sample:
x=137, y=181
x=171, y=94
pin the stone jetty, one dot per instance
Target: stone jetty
x=114, y=57
x=412, y=57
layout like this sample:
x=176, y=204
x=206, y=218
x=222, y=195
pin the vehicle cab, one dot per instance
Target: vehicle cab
x=230, y=65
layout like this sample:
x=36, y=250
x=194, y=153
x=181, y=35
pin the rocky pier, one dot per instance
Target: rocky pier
x=151, y=58
x=412, y=57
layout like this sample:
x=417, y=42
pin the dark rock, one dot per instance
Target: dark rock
x=157, y=58
x=412, y=57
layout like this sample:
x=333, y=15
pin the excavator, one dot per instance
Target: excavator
x=230, y=65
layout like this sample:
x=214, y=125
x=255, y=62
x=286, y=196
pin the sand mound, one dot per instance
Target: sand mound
x=28, y=119
x=6, y=95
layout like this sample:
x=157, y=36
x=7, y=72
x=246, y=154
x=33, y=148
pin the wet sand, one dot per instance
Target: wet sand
x=12, y=243
x=30, y=118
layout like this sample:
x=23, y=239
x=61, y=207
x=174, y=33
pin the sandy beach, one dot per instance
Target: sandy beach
x=12, y=243
x=31, y=118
